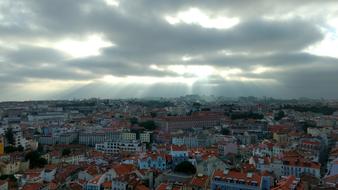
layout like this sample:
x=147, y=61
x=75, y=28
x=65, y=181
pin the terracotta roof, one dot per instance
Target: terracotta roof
x=123, y=169
x=33, y=186
x=141, y=187
x=107, y=184
x=75, y=186
x=301, y=162
x=247, y=178
x=288, y=183
x=52, y=186
x=51, y=167
x=92, y=170
x=200, y=181
x=95, y=180
x=179, y=148
x=162, y=186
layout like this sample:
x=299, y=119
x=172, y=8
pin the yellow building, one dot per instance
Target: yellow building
x=128, y=136
x=2, y=145
x=280, y=137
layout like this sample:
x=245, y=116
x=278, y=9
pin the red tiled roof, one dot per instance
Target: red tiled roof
x=237, y=175
x=141, y=187
x=52, y=186
x=286, y=184
x=200, y=181
x=107, y=184
x=95, y=180
x=162, y=186
x=301, y=162
x=123, y=169
x=178, y=148
x=33, y=186
x=92, y=170
x=75, y=186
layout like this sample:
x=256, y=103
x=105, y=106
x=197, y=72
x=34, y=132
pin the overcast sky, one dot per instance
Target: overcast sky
x=51, y=49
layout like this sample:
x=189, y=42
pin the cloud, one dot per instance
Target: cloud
x=242, y=46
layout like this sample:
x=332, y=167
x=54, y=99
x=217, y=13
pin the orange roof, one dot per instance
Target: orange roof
x=287, y=183
x=92, y=170
x=162, y=186
x=141, y=187
x=200, y=181
x=123, y=169
x=51, y=167
x=52, y=186
x=248, y=167
x=238, y=176
x=178, y=148
x=95, y=180
x=107, y=184
x=75, y=186
x=301, y=162
x=33, y=186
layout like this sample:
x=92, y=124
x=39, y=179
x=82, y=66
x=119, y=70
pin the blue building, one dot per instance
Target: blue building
x=153, y=161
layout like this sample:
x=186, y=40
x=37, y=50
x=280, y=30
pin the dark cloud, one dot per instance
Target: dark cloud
x=34, y=55
x=144, y=38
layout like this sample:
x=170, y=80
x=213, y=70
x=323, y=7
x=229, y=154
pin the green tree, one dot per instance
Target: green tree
x=185, y=167
x=10, y=136
x=225, y=131
x=133, y=120
x=66, y=152
x=153, y=114
x=279, y=115
x=35, y=160
x=148, y=125
x=10, y=149
x=20, y=148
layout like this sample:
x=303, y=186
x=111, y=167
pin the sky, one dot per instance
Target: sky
x=65, y=49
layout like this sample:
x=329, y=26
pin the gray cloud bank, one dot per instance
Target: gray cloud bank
x=270, y=34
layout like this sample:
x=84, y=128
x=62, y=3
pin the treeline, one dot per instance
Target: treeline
x=152, y=103
x=149, y=125
x=246, y=115
x=326, y=110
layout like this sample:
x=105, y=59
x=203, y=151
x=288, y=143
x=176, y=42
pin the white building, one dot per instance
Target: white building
x=115, y=147
x=145, y=137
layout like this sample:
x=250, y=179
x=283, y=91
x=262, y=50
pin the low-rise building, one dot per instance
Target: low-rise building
x=153, y=161
x=231, y=179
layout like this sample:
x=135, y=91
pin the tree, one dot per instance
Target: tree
x=185, y=167
x=225, y=131
x=246, y=115
x=153, y=114
x=279, y=115
x=20, y=148
x=149, y=125
x=133, y=120
x=10, y=136
x=35, y=160
x=10, y=149
x=66, y=152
